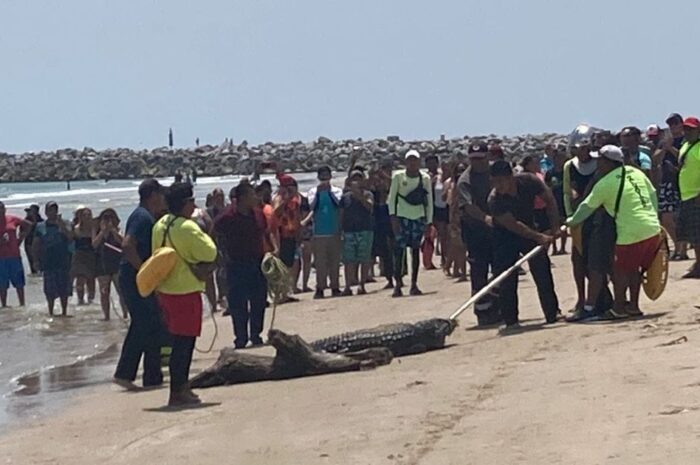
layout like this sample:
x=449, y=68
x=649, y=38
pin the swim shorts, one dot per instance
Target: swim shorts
x=11, y=272
x=57, y=284
x=357, y=247
x=410, y=233
x=632, y=258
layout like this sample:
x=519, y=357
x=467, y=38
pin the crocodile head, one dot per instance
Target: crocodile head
x=437, y=326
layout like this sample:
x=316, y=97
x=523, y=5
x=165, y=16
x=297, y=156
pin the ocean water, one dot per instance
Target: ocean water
x=45, y=361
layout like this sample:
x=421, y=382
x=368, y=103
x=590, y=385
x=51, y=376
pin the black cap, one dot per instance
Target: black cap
x=180, y=191
x=32, y=207
x=178, y=195
x=501, y=168
x=674, y=117
x=324, y=170
x=478, y=147
x=149, y=187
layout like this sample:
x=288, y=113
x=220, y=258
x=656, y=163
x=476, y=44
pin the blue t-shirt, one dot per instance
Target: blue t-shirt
x=643, y=160
x=326, y=216
x=140, y=227
x=56, y=250
x=546, y=164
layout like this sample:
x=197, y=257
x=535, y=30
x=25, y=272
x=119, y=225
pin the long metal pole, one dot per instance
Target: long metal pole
x=495, y=282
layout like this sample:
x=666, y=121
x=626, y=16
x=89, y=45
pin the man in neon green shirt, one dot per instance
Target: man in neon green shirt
x=633, y=204
x=411, y=208
x=689, y=184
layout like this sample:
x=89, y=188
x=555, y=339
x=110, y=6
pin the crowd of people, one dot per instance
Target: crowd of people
x=611, y=192
x=69, y=255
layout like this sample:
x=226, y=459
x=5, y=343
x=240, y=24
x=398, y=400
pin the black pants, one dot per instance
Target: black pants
x=180, y=361
x=382, y=247
x=145, y=336
x=30, y=256
x=383, y=243
x=288, y=249
x=507, y=250
x=400, y=261
x=247, y=295
x=479, y=243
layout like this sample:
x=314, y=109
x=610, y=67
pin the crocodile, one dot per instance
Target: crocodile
x=400, y=338
x=294, y=358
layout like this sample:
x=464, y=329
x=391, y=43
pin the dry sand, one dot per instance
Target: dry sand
x=565, y=394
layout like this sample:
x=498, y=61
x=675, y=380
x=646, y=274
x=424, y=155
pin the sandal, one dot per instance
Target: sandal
x=611, y=315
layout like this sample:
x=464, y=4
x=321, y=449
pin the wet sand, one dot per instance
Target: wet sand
x=622, y=393
x=46, y=360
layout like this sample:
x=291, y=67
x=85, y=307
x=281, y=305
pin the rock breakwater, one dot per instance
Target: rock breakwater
x=228, y=158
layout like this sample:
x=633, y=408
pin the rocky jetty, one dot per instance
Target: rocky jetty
x=228, y=158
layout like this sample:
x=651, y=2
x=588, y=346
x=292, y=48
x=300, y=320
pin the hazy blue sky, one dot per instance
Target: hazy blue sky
x=107, y=73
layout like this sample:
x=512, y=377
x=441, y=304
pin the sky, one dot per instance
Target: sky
x=104, y=73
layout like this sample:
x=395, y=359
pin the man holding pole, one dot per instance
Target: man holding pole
x=629, y=197
x=512, y=205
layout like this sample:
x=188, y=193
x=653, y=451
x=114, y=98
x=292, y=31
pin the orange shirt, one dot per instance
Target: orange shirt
x=271, y=221
x=289, y=218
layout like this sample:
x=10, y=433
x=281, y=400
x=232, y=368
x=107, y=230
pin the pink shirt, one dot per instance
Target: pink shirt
x=9, y=241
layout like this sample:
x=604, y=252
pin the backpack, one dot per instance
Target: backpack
x=158, y=266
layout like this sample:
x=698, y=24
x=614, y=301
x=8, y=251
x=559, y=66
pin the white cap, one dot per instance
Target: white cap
x=611, y=152
x=653, y=130
x=412, y=153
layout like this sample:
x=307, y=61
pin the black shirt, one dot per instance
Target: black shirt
x=356, y=217
x=521, y=205
x=473, y=189
x=669, y=175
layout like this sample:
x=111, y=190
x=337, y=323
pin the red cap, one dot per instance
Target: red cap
x=691, y=122
x=496, y=149
x=286, y=180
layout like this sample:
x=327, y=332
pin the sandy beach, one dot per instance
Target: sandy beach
x=619, y=393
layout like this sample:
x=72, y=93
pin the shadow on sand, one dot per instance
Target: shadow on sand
x=169, y=409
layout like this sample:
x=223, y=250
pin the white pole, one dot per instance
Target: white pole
x=116, y=249
x=495, y=282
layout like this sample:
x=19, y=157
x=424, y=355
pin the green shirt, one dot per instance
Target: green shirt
x=637, y=217
x=689, y=176
x=192, y=245
x=403, y=185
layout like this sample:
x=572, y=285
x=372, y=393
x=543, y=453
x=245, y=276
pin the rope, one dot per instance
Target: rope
x=278, y=286
x=216, y=331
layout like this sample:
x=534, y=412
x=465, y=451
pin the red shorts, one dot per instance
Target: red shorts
x=182, y=313
x=632, y=258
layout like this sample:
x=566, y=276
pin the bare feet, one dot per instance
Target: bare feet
x=126, y=384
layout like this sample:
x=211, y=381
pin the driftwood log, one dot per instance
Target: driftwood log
x=295, y=358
